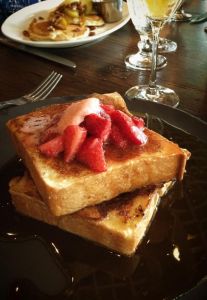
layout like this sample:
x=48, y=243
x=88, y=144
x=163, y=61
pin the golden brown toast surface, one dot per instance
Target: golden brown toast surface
x=118, y=224
x=59, y=183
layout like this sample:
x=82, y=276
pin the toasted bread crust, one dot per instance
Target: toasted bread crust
x=119, y=224
x=67, y=188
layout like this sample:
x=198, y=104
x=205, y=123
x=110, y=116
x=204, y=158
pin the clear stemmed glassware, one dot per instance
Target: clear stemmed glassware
x=157, y=12
x=180, y=15
x=142, y=60
x=164, y=45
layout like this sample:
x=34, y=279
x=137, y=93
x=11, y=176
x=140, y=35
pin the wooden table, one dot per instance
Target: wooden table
x=101, y=68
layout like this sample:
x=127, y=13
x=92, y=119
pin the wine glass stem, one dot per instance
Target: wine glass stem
x=144, y=46
x=155, y=40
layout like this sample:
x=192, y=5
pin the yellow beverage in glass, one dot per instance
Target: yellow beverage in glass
x=161, y=9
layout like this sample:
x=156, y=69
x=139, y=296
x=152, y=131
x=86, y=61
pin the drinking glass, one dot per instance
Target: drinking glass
x=142, y=60
x=164, y=45
x=180, y=15
x=157, y=12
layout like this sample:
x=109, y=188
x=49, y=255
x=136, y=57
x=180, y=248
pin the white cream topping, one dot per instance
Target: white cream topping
x=76, y=112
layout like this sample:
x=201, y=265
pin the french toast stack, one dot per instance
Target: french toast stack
x=101, y=180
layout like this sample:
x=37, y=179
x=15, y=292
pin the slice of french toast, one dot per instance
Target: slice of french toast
x=119, y=224
x=69, y=187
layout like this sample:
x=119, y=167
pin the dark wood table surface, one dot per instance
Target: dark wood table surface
x=101, y=68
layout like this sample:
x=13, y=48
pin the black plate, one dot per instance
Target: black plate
x=38, y=261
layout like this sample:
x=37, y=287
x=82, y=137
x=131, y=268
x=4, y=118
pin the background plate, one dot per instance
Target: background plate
x=171, y=260
x=15, y=24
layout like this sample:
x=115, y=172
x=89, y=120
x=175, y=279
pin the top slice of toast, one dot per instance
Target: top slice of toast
x=67, y=188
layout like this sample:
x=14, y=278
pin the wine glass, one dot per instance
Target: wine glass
x=157, y=12
x=164, y=45
x=180, y=15
x=142, y=60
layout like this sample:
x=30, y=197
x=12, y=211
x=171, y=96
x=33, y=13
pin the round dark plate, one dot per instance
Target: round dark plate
x=38, y=261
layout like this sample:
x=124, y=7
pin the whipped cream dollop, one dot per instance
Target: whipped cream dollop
x=76, y=112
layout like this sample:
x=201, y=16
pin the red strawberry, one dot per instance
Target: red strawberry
x=98, y=126
x=108, y=108
x=73, y=138
x=117, y=138
x=53, y=147
x=127, y=127
x=140, y=137
x=92, y=154
x=139, y=122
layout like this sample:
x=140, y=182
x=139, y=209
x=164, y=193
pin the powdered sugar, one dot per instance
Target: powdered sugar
x=35, y=124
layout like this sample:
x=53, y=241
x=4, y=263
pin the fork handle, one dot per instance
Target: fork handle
x=6, y=104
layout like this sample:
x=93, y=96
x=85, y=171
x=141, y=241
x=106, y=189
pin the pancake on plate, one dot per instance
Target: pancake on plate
x=44, y=31
x=71, y=20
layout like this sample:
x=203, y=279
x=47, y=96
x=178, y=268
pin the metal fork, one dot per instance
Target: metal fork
x=40, y=93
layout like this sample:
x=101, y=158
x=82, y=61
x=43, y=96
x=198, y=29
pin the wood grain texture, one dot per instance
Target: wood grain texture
x=101, y=68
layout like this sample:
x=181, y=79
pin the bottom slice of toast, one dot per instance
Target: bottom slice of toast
x=118, y=224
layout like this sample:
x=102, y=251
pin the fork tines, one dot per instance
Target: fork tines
x=45, y=88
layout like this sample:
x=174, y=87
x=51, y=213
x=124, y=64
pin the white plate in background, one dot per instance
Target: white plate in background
x=15, y=24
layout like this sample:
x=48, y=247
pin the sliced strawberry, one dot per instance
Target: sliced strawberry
x=139, y=122
x=108, y=108
x=92, y=154
x=128, y=128
x=53, y=147
x=73, y=138
x=140, y=137
x=98, y=126
x=117, y=138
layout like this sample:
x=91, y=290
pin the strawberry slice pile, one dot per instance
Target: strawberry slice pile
x=85, y=142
